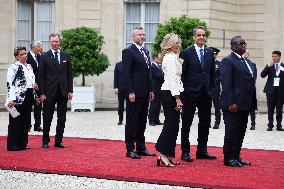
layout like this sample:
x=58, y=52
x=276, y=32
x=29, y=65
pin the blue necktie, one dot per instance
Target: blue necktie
x=201, y=57
x=56, y=57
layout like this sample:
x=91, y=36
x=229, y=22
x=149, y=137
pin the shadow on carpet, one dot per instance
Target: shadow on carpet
x=106, y=159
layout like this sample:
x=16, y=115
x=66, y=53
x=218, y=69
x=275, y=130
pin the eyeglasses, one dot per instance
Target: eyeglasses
x=243, y=44
x=199, y=35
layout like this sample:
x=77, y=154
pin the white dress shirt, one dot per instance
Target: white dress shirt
x=172, y=74
x=58, y=54
x=248, y=66
x=197, y=49
x=34, y=57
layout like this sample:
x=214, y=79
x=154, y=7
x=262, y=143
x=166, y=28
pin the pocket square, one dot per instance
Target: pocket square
x=64, y=61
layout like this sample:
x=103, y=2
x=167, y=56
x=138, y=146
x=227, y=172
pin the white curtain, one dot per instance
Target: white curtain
x=24, y=17
x=44, y=22
x=143, y=14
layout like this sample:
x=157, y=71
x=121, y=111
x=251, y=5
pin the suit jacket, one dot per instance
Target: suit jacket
x=119, y=80
x=157, y=78
x=194, y=78
x=52, y=74
x=271, y=73
x=238, y=85
x=137, y=72
x=34, y=64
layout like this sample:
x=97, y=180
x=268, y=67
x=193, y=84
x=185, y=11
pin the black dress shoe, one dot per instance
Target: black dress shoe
x=186, y=157
x=216, y=126
x=159, y=123
x=243, y=162
x=119, y=123
x=45, y=145
x=232, y=163
x=152, y=124
x=132, y=155
x=279, y=129
x=269, y=129
x=252, y=127
x=145, y=153
x=59, y=145
x=205, y=156
x=39, y=129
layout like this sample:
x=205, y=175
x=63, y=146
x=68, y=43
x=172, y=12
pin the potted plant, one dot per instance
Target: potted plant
x=84, y=45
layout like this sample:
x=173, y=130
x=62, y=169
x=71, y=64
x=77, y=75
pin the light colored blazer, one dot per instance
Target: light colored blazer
x=172, y=74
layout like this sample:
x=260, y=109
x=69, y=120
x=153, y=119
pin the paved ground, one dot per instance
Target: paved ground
x=102, y=124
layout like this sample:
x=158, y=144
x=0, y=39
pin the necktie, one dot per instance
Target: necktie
x=56, y=57
x=247, y=66
x=144, y=55
x=276, y=67
x=201, y=57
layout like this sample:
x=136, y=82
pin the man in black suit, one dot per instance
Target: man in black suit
x=119, y=90
x=198, y=79
x=274, y=89
x=56, y=87
x=136, y=69
x=216, y=89
x=33, y=58
x=238, y=98
x=157, y=79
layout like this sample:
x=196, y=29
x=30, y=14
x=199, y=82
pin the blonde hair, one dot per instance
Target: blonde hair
x=168, y=42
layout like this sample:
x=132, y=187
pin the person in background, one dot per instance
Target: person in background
x=198, y=79
x=21, y=85
x=216, y=90
x=138, y=81
x=119, y=90
x=56, y=87
x=254, y=70
x=158, y=79
x=238, y=98
x=171, y=92
x=274, y=89
x=33, y=58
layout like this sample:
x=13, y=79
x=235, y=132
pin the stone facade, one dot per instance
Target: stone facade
x=258, y=21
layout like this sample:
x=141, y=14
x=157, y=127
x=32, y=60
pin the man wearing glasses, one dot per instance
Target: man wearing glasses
x=238, y=98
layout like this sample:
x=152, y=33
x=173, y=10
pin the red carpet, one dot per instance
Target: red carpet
x=106, y=159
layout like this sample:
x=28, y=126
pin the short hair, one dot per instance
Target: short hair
x=35, y=43
x=277, y=52
x=54, y=35
x=137, y=28
x=18, y=49
x=236, y=40
x=155, y=55
x=198, y=27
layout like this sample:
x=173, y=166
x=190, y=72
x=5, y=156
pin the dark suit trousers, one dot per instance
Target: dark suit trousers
x=252, y=117
x=37, y=115
x=18, y=127
x=203, y=104
x=167, y=140
x=121, y=98
x=235, y=129
x=274, y=100
x=136, y=119
x=155, y=108
x=216, y=103
x=48, y=110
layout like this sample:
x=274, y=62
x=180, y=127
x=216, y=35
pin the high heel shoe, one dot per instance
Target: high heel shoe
x=159, y=160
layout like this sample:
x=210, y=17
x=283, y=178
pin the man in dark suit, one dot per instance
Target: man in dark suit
x=157, y=79
x=33, y=58
x=216, y=89
x=238, y=98
x=119, y=90
x=56, y=87
x=136, y=70
x=198, y=79
x=274, y=89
